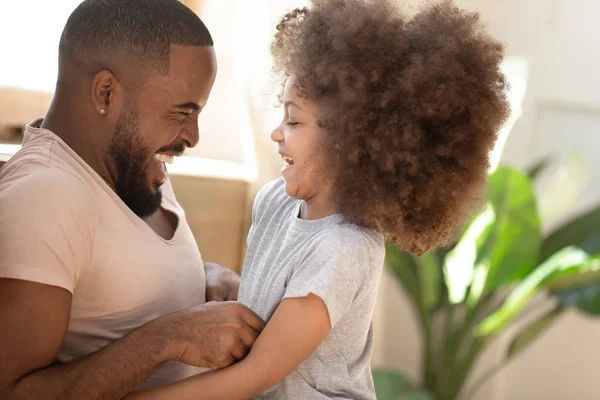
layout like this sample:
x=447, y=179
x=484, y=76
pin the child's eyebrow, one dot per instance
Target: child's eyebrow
x=291, y=103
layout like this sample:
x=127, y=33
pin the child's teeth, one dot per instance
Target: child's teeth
x=287, y=160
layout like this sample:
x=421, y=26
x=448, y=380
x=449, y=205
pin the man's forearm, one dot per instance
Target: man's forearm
x=110, y=373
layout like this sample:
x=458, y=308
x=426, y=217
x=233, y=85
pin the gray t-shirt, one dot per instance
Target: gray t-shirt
x=337, y=261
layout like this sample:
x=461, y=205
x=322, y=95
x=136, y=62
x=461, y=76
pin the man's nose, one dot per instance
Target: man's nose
x=190, y=134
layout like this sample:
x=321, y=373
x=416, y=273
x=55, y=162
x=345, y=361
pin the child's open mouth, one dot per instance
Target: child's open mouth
x=289, y=161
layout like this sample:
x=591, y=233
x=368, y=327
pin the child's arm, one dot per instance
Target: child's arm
x=296, y=329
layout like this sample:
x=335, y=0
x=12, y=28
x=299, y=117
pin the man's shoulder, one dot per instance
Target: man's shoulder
x=38, y=185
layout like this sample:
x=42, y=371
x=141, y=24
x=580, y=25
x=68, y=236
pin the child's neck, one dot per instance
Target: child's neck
x=316, y=208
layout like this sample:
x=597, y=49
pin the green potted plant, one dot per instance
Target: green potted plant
x=466, y=295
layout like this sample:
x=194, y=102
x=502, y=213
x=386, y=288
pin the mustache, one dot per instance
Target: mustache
x=176, y=148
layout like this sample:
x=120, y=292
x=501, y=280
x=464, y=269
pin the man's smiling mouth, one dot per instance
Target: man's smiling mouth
x=164, y=158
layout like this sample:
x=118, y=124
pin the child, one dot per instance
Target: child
x=386, y=132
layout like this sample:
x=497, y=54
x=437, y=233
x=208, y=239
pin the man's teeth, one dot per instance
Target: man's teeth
x=164, y=158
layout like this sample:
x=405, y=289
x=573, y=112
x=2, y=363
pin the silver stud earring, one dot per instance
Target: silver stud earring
x=103, y=111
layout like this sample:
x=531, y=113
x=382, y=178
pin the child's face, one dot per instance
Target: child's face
x=299, y=138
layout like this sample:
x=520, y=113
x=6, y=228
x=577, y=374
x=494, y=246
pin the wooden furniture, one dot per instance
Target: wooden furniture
x=216, y=212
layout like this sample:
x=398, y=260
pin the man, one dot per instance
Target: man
x=102, y=288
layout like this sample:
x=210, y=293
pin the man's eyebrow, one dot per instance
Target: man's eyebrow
x=291, y=103
x=188, y=106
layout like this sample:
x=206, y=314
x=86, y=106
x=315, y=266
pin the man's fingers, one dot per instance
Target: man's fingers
x=248, y=336
x=239, y=352
x=213, y=294
x=227, y=361
x=252, y=319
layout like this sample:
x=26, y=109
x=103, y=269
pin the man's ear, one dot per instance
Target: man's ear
x=106, y=93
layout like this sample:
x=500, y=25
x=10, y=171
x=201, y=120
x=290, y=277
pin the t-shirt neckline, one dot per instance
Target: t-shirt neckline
x=34, y=128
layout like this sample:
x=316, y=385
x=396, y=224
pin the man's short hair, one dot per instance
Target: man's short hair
x=136, y=31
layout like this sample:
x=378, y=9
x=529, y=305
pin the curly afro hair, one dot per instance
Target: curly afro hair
x=411, y=109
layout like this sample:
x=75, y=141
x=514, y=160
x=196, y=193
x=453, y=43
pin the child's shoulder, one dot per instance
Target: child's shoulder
x=353, y=234
x=346, y=250
x=274, y=188
x=354, y=240
x=272, y=194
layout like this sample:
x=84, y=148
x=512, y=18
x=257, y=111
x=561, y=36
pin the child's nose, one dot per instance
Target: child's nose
x=277, y=135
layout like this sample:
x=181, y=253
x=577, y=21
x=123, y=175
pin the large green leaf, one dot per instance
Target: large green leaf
x=429, y=273
x=536, y=169
x=583, y=232
x=460, y=262
x=502, y=243
x=390, y=384
x=417, y=395
x=566, y=260
x=516, y=236
x=402, y=266
x=586, y=298
x=575, y=277
x=528, y=335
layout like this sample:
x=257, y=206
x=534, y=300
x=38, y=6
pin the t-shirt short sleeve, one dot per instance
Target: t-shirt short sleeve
x=262, y=199
x=47, y=222
x=336, y=268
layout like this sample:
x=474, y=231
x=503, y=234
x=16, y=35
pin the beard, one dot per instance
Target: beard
x=130, y=158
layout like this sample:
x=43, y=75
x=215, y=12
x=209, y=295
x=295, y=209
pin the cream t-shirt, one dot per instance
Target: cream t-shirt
x=62, y=225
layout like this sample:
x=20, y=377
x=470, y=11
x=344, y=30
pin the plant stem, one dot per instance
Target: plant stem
x=484, y=378
x=451, y=347
x=465, y=367
x=429, y=373
x=455, y=371
x=446, y=350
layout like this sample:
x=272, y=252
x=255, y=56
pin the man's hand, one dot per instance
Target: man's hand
x=34, y=319
x=212, y=335
x=297, y=328
x=222, y=284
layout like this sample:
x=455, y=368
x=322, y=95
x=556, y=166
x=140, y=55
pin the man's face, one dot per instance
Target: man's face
x=158, y=125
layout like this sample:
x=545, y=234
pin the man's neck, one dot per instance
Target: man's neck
x=77, y=132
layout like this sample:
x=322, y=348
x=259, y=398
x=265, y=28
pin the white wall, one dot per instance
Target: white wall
x=561, y=113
